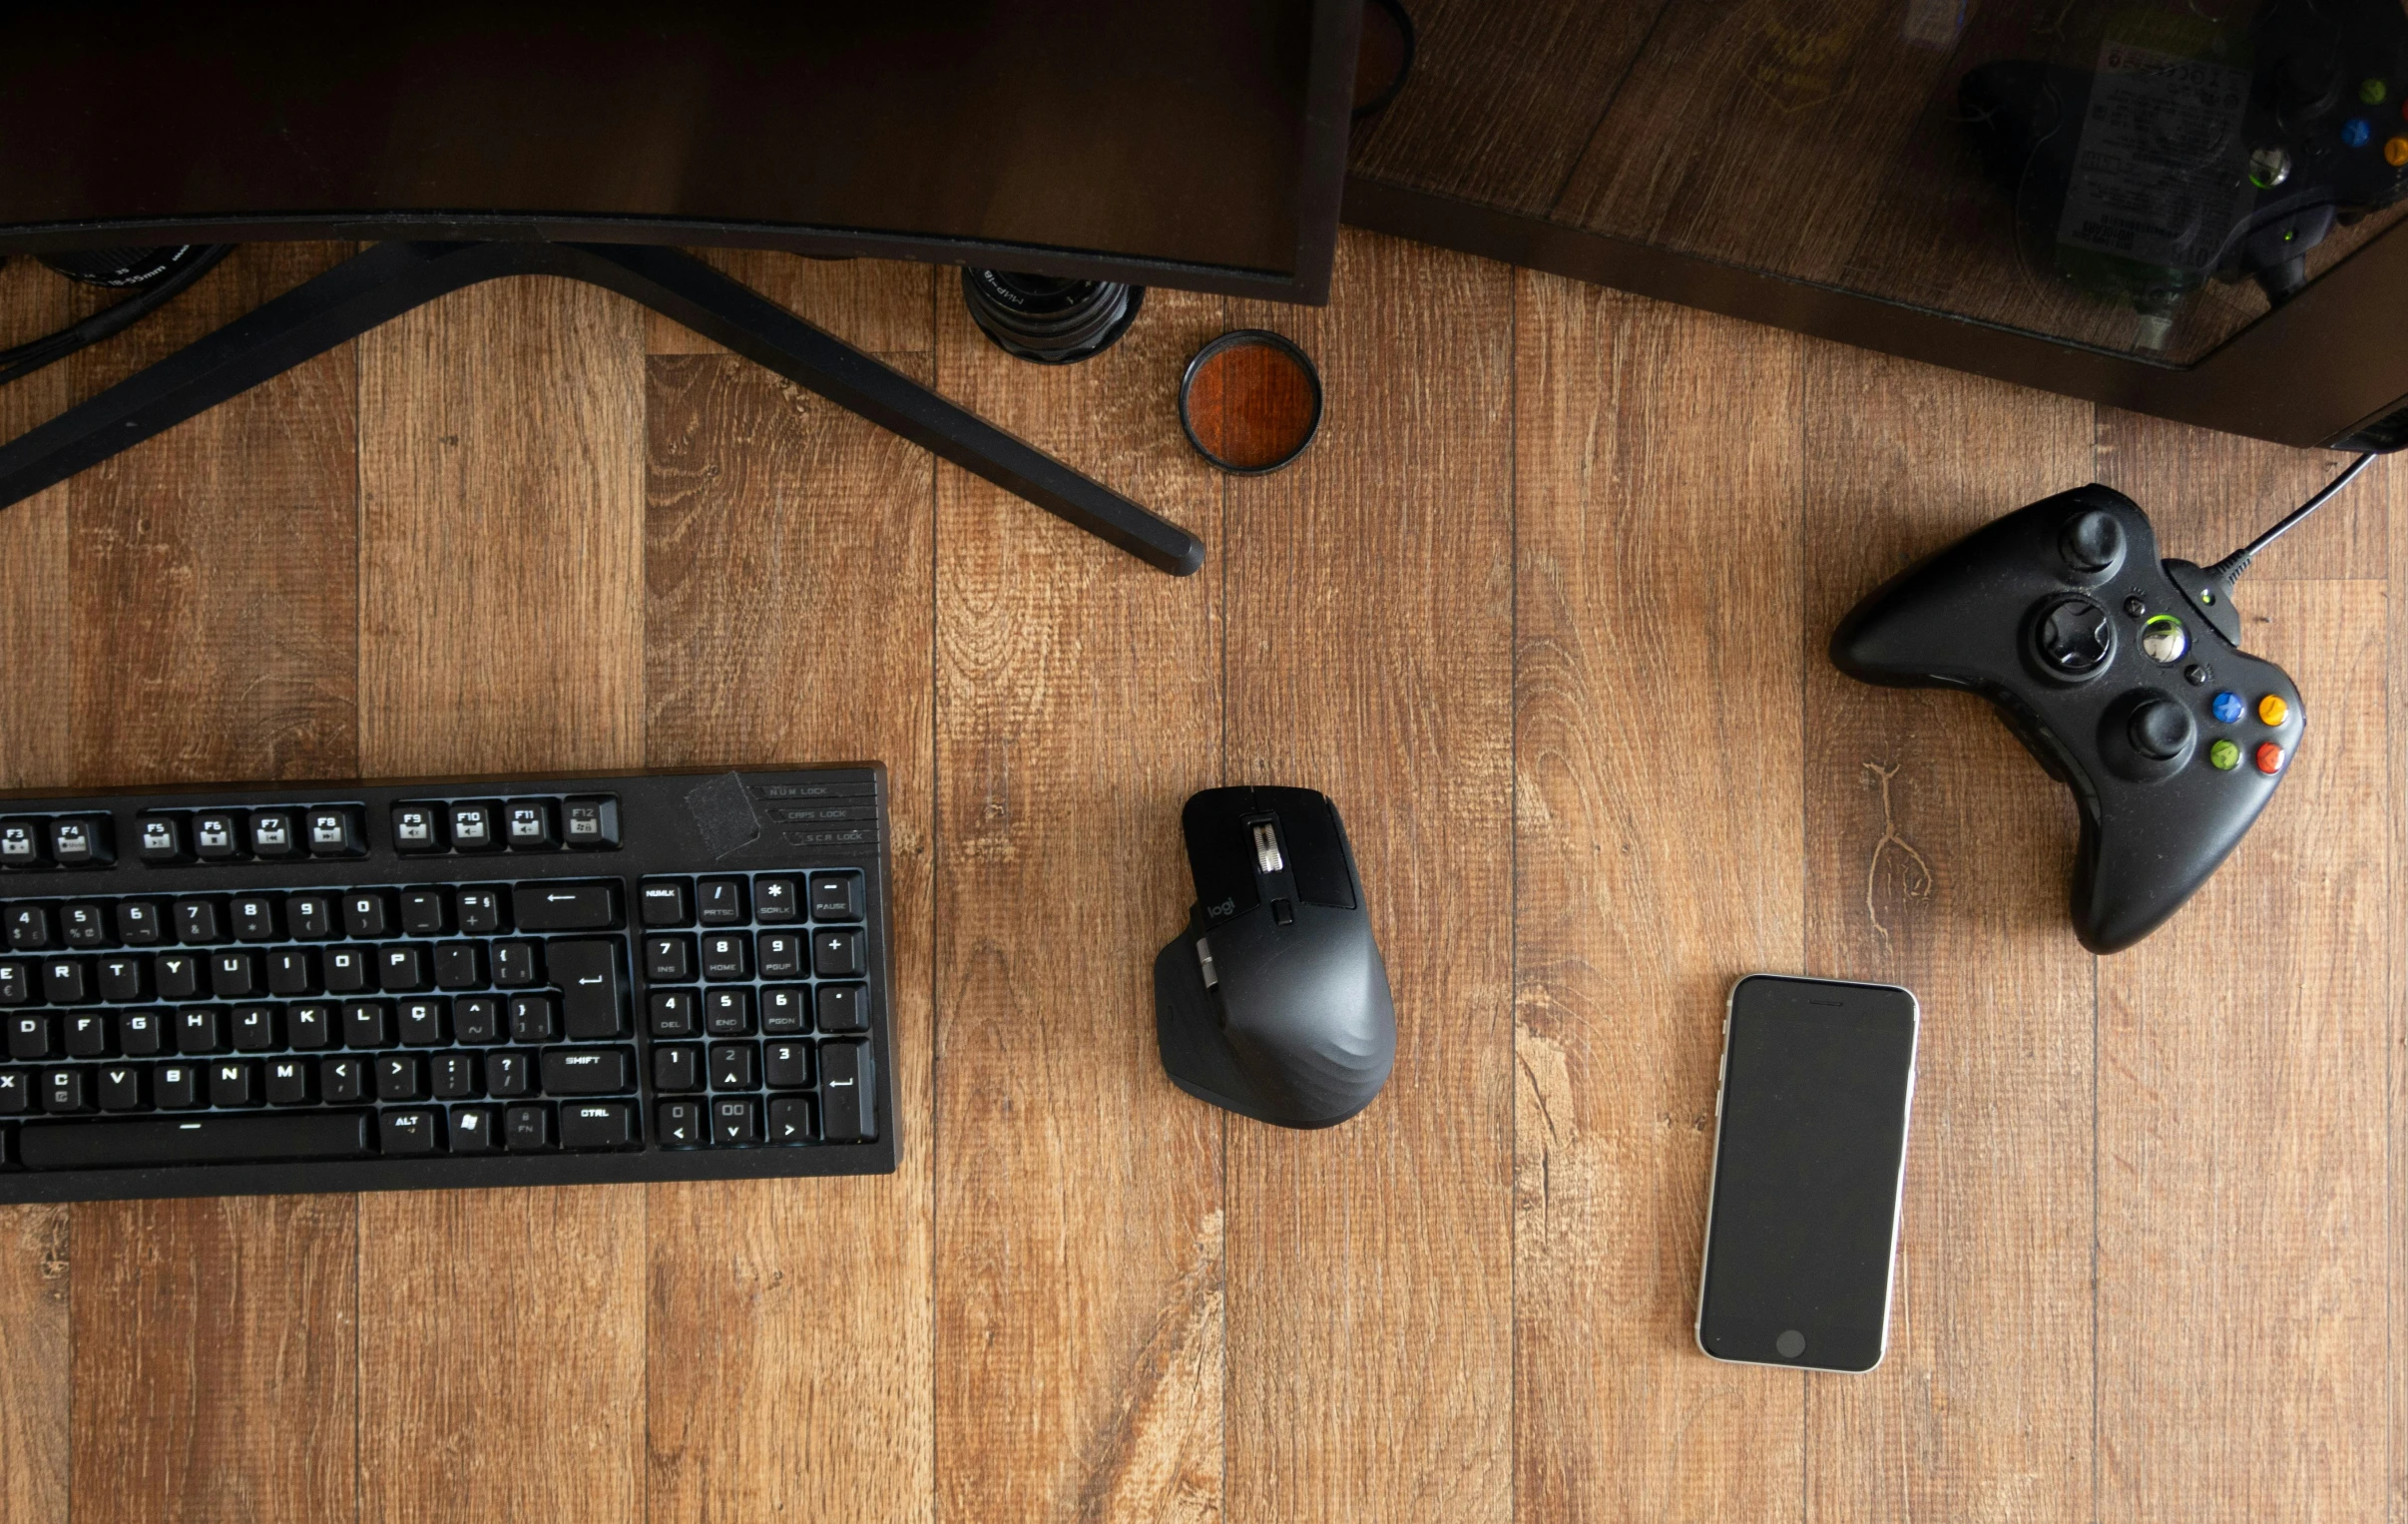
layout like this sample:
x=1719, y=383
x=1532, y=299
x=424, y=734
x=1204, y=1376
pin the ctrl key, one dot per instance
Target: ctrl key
x=598, y=1124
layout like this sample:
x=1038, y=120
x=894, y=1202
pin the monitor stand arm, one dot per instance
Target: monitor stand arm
x=390, y=279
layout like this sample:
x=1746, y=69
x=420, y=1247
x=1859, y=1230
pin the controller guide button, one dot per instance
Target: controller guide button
x=2270, y=757
x=2223, y=757
x=2092, y=541
x=2159, y=728
x=2274, y=711
x=2074, y=637
x=2164, y=639
x=2228, y=708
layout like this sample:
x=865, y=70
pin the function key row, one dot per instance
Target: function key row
x=299, y=916
x=165, y=837
x=580, y=822
x=56, y=841
x=834, y=894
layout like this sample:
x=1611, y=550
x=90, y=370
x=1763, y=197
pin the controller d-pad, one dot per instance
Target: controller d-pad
x=2159, y=728
x=2074, y=637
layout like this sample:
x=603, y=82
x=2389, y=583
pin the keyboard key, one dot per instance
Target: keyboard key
x=80, y=841
x=312, y=918
x=176, y=975
x=781, y=954
x=206, y=1140
x=64, y=1093
x=843, y=1008
x=160, y=838
x=347, y=970
x=367, y=913
x=119, y=1087
x=720, y=902
x=198, y=1030
x=472, y=1129
x=676, y=1067
x=418, y=828
x=16, y=1092
x=425, y=912
x=588, y=977
x=233, y=1083
x=28, y=927
x=844, y=1092
x=527, y=827
x=728, y=957
x=408, y=1132
x=84, y=1034
x=216, y=835
x=672, y=1013
x=253, y=1028
x=527, y=1129
x=508, y=1074
x=66, y=981
x=474, y=828
x=586, y=1071
x=367, y=1024
x=276, y=833
x=734, y=1121
x=16, y=984
x=401, y=968
x=199, y=922
x=533, y=1019
x=253, y=918
x=515, y=965
x=399, y=1077
x=728, y=1012
x=477, y=1019
x=292, y=971
x=334, y=831
x=785, y=1011
x=790, y=1120
x=233, y=975
x=84, y=926
x=20, y=843
x=667, y=959
x=310, y=1025
x=32, y=1034
x=563, y=906
x=340, y=1081
x=480, y=911
x=664, y=902
x=139, y=923
x=598, y=1124
x=776, y=901
x=291, y=1082
x=679, y=1124
x=590, y=822
x=734, y=1066
x=836, y=896
x=450, y=1076
x=836, y=954
x=786, y=1066
x=422, y=1023
x=142, y=1034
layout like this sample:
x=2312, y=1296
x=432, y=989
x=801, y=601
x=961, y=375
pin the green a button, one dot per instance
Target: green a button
x=2223, y=757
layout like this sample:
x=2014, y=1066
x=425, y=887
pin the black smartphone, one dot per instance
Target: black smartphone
x=1801, y=1222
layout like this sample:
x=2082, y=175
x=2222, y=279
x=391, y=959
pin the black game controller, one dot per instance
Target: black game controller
x=2121, y=673
x=2208, y=154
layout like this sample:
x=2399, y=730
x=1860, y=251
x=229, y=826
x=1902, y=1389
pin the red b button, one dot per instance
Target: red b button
x=2269, y=757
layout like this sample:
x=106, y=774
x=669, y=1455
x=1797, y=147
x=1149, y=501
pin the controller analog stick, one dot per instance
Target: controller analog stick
x=2159, y=728
x=2092, y=541
x=2074, y=637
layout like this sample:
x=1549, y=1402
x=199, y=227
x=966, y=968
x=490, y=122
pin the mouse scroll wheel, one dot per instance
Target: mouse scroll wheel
x=1266, y=850
x=1203, y=962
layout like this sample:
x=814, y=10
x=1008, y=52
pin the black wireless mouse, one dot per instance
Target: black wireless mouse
x=1273, y=1003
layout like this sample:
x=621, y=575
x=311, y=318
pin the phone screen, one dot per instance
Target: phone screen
x=1817, y=1079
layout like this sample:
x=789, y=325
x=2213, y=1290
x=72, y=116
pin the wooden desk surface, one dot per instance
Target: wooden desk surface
x=1544, y=610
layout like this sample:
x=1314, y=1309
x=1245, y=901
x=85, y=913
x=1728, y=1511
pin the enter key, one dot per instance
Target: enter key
x=590, y=1003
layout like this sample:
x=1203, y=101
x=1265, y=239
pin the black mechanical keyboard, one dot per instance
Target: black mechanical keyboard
x=365, y=987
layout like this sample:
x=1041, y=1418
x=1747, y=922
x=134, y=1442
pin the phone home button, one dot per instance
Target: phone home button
x=1790, y=1345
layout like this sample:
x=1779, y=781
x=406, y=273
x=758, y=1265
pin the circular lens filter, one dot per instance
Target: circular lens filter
x=1251, y=401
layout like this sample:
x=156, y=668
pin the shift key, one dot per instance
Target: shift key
x=584, y=1071
x=588, y=975
x=565, y=906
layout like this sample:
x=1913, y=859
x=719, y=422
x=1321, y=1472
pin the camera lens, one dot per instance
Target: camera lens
x=1251, y=401
x=1049, y=320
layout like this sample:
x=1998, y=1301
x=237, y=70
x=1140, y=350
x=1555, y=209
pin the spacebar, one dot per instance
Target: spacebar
x=193, y=1140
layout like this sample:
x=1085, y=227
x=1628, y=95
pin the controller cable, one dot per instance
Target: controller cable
x=190, y=266
x=2228, y=571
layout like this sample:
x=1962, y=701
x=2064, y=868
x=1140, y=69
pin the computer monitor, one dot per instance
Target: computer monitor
x=1156, y=142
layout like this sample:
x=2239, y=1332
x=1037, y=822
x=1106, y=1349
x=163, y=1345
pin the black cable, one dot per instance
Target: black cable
x=26, y=358
x=2228, y=571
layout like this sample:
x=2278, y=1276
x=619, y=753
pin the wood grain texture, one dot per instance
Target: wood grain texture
x=37, y=1352
x=2385, y=482
x=502, y=487
x=2243, y=1229
x=1079, y=1202
x=1937, y=858
x=874, y=304
x=789, y=570
x=218, y=1347
x=1658, y=848
x=2208, y=494
x=1370, y=595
